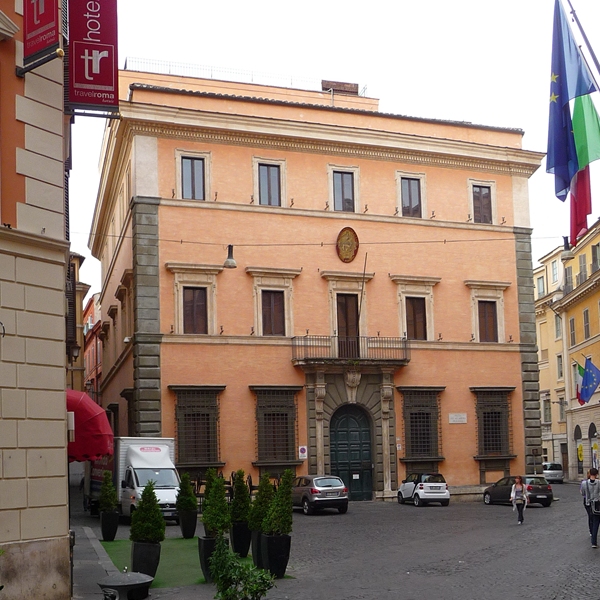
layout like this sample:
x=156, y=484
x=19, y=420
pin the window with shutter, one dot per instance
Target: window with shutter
x=269, y=185
x=343, y=191
x=192, y=178
x=195, y=317
x=416, y=323
x=488, y=323
x=411, y=197
x=273, y=313
x=482, y=204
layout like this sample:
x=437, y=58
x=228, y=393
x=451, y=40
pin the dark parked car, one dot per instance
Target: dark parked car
x=314, y=492
x=539, y=490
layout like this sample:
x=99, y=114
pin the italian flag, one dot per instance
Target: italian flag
x=579, y=381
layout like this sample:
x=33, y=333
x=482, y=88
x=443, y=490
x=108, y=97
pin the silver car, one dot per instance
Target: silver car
x=314, y=492
x=553, y=472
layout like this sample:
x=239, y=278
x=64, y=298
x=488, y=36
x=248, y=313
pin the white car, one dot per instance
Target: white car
x=423, y=488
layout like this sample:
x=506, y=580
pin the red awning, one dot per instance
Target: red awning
x=93, y=435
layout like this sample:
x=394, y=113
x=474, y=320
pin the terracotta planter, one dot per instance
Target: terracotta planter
x=145, y=557
x=188, y=520
x=275, y=551
x=256, y=549
x=240, y=536
x=109, y=523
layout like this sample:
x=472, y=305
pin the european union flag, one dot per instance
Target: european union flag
x=570, y=78
x=591, y=379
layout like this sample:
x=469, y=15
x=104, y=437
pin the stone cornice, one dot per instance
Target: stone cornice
x=482, y=284
x=415, y=279
x=335, y=140
x=579, y=293
x=178, y=267
x=272, y=272
x=7, y=27
x=344, y=276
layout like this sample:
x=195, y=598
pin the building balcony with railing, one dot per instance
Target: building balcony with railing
x=355, y=351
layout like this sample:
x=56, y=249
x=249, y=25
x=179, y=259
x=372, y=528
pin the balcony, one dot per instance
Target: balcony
x=355, y=351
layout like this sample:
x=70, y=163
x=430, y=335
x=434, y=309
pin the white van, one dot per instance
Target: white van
x=553, y=472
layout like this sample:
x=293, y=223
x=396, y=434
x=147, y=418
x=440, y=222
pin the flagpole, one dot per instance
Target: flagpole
x=587, y=42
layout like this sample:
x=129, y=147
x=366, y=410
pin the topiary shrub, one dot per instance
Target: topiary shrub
x=234, y=580
x=261, y=503
x=279, y=516
x=215, y=512
x=211, y=475
x=147, y=522
x=186, y=498
x=240, y=504
x=108, y=500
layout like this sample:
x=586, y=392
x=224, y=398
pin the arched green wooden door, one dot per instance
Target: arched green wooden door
x=350, y=437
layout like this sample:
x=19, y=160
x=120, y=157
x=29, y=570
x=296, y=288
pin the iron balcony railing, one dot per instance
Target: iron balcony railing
x=350, y=349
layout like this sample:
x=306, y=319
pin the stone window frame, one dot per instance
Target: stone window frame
x=423, y=190
x=277, y=280
x=355, y=170
x=282, y=164
x=491, y=291
x=207, y=157
x=413, y=286
x=340, y=282
x=471, y=183
x=195, y=275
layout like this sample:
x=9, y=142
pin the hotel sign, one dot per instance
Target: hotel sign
x=93, y=68
x=41, y=29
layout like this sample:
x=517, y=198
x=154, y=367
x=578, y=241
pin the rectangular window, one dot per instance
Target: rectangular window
x=568, y=279
x=540, y=287
x=493, y=422
x=192, y=178
x=482, y=204
x=559, y=367
x=557, y=327
x=572, y=330
x=421, y=423
x=554, y=271
x=595, y=266
x=416, y=324
x=586, y=324
x=273, y=313
x=276, y=425
x=582, y=269
x=561, y=409
x=574, y=377
x=197, y=417
x=195, y=316
x=343, y=191
x=547, y=409
x=411, y=197
x=269, y=185
x=488, y=322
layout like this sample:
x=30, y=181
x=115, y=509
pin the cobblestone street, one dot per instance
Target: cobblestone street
x=465, y=551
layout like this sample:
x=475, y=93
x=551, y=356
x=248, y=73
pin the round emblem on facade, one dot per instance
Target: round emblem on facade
x=347, y=245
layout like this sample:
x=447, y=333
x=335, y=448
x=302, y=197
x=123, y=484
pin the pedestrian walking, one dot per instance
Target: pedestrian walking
x=591, y=489
x=588, y=510
x=519, y=497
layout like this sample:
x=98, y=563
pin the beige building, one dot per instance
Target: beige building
x=34, y=259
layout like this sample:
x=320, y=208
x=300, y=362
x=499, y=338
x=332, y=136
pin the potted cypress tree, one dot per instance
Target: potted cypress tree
x=187, y=507
x=234, y=580
x=277, y=526
x=239, y=532
x=108, y=502
x=211, y=475
x=147, y=532
x=216, y=519
x=257, y=514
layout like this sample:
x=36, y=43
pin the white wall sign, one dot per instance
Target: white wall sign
x=355, y=476
x=302, y=452
x=457, y=418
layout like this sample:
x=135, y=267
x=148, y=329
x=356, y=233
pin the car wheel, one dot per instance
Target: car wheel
x=546, y=504
x=417, y=500
x=487, y=499
x=445, y=502
x=307, y=509
x=343, y=509
x=401, y=499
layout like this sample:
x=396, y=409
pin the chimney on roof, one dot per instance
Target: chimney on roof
x=339, y=87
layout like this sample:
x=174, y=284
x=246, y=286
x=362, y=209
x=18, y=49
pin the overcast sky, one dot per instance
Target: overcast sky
x=483, y=61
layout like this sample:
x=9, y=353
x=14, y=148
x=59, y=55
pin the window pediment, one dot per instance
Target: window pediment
x=489, y=285
x=7, y=27
x=344, y=276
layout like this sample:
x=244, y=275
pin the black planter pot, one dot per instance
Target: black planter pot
x=206, y=546
x=275, y=551
x=109, y=523
x=188, y=519
x=145, y=557
x=240, y=536
x=256, y=549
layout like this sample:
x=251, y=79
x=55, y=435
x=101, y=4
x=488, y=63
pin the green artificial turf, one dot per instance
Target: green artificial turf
x=179, y=563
